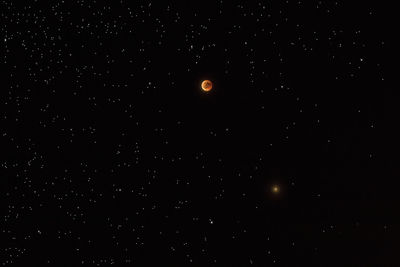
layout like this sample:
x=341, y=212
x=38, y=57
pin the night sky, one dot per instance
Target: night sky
x=111, y=152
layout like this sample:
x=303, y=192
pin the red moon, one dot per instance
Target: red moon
x=206, y=85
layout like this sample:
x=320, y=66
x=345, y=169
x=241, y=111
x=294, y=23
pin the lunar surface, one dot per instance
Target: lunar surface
x=206, y=85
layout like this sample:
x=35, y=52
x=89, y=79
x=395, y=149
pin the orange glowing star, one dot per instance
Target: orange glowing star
x=275, y=189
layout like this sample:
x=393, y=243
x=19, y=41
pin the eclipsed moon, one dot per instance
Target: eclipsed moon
x=206, y=85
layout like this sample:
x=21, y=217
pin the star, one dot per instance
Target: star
x=275, y=189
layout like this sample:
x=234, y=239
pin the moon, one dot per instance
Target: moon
x=206, y=85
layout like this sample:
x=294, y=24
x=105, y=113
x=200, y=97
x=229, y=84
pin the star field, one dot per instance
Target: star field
x=112, y=153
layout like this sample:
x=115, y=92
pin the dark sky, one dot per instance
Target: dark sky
x=111, y=153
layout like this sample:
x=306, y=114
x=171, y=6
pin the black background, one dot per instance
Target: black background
x=111, y=153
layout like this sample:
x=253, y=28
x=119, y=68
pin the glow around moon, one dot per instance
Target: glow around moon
x=206, y=85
